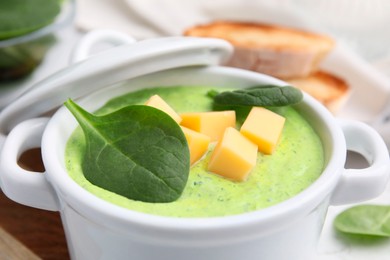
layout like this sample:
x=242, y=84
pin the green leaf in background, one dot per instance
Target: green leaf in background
x=19, y=60
x=372, y=220
x=266, y=95
x=138, y=152
x=18, y=17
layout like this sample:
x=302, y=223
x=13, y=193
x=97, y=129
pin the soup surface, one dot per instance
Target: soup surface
x=297, y=162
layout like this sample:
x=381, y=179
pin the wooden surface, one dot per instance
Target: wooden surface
x=10, y=248
x=30, y=231
x=40, y=231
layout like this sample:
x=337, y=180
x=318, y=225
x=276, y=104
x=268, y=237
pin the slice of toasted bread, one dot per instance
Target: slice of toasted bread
x=329, y=89
x=277, y=51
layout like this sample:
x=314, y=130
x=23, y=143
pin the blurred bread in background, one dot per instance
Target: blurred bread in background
x=277, y=51
x=329, y=89
x=286, y=53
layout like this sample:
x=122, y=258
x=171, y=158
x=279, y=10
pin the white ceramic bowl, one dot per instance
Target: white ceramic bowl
x=96, y=229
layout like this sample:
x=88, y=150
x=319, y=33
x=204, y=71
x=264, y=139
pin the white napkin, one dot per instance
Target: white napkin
x=359, y=23
x=151, y=18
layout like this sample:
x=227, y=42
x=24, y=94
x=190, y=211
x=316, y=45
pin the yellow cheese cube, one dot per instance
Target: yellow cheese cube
x=197, y=142
x=157, y=102
x=234, y=156
x=263, y=127
x=211, y=123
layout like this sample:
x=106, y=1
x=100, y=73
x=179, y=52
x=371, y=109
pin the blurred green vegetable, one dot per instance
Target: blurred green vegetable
x=19, y=60
x=19, y=17
x=20, y=55
x=372, y=220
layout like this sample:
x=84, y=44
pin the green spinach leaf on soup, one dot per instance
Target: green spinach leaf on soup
x=138, y=152
x=263, y=96
x=372, y=220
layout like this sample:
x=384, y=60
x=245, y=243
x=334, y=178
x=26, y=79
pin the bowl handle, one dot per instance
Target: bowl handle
x=357, y=185
x=23, y=186
x=96, y=37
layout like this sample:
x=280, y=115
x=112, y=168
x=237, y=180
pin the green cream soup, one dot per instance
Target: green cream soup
x=297, y=162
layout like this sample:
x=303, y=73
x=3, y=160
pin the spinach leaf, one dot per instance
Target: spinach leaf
x=138, y=152
x=18, y=17
x=373, y=220
x=265, y=95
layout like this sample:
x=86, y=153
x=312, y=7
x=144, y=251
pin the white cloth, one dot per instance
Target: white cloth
x=151, y=18
x=361, y=24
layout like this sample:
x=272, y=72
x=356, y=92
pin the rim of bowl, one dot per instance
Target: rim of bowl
x=296, y=206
